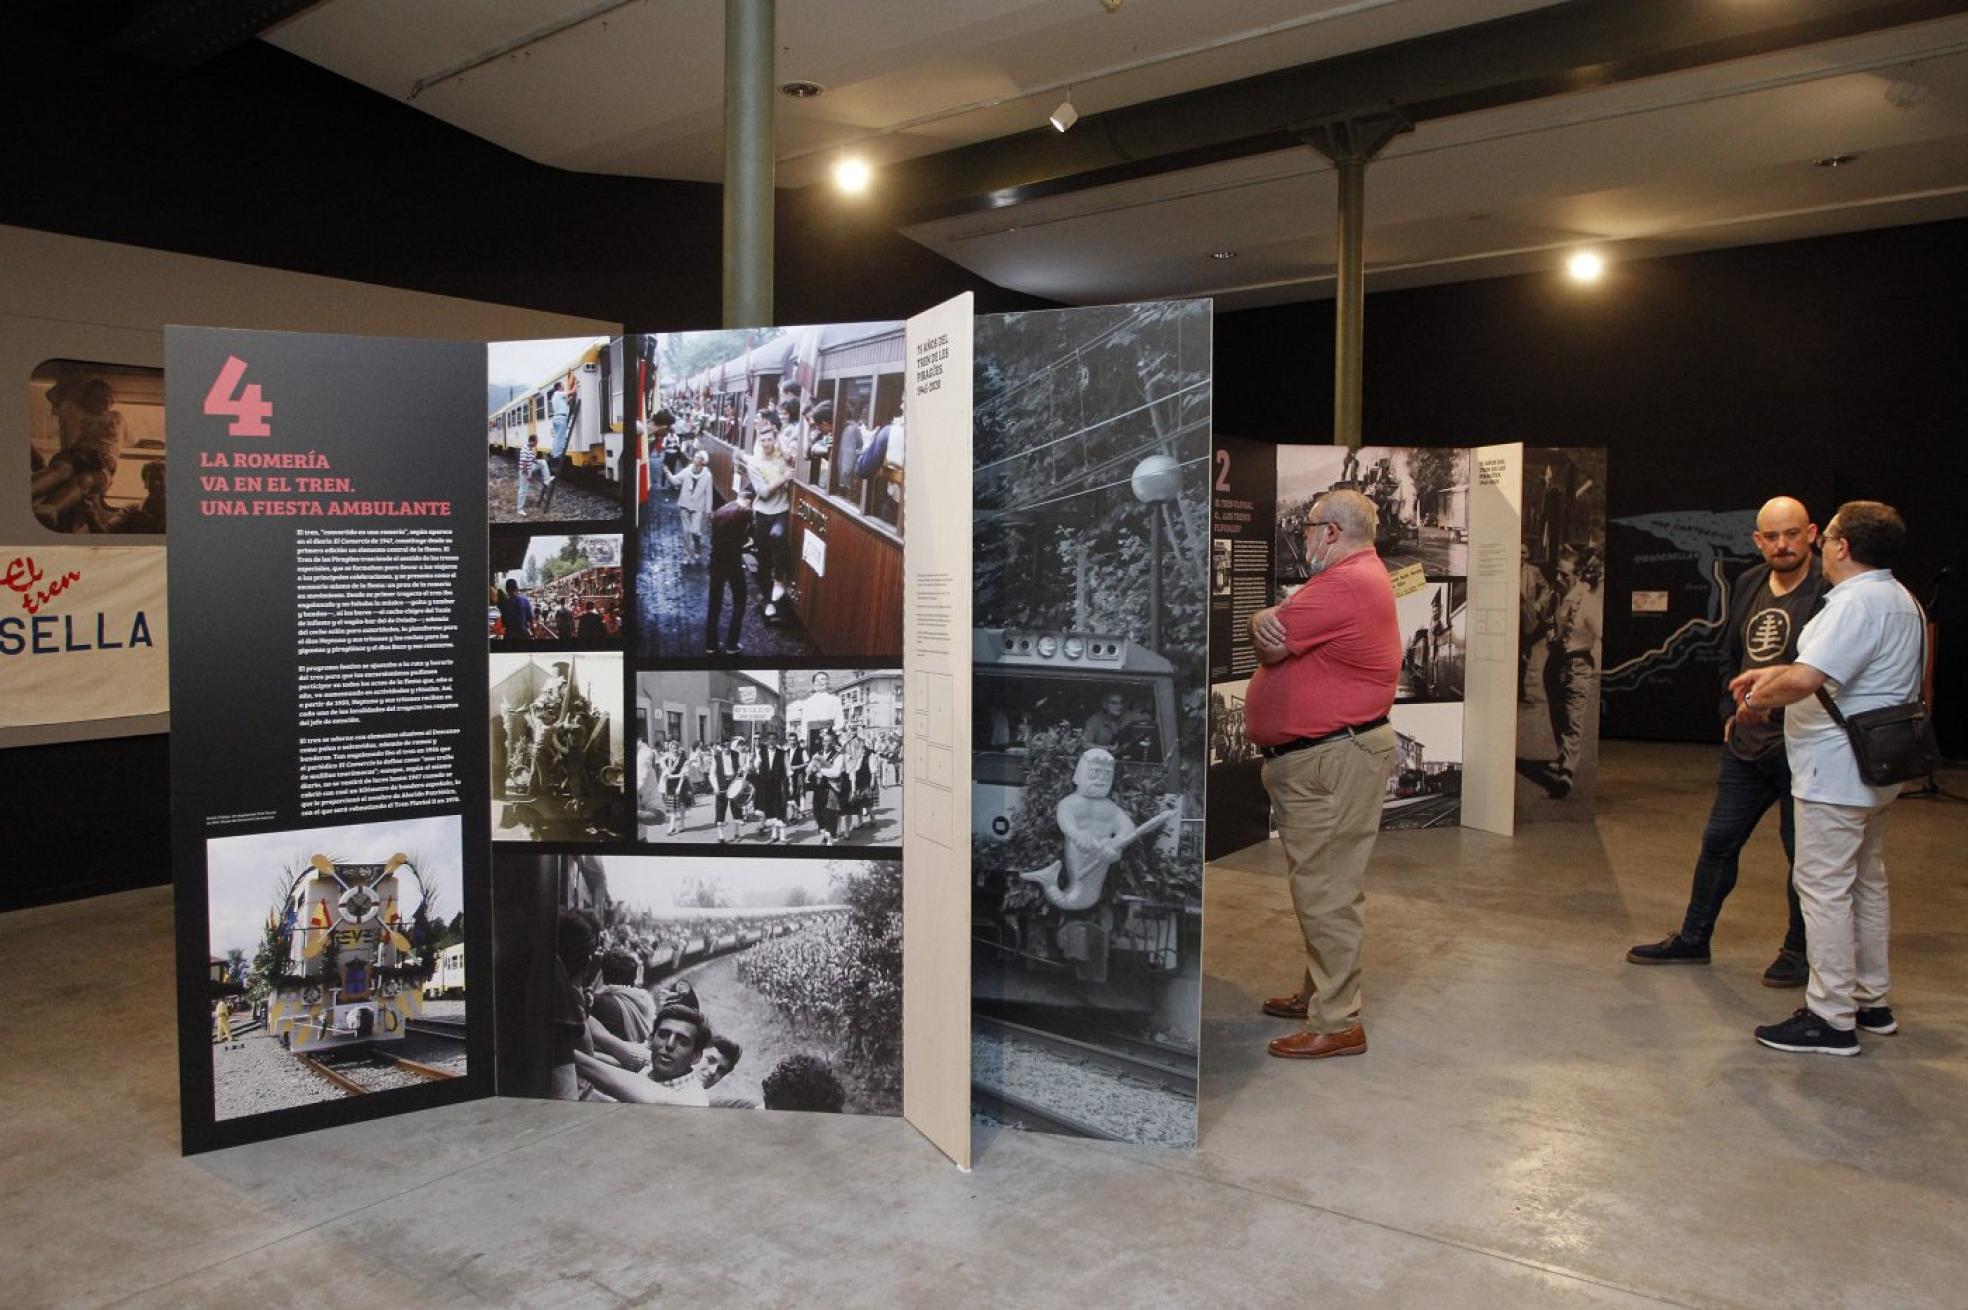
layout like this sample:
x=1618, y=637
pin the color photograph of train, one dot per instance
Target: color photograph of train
x=554, y=429
x=1092, y=442
x=810, y=421
x=324, y=944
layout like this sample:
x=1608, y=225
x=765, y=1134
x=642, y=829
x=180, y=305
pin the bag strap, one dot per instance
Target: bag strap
x=1920, y=676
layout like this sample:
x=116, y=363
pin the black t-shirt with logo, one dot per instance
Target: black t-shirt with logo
x=1769, y=636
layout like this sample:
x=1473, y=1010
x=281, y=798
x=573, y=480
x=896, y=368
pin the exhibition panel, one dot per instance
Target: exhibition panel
x=1563, y=592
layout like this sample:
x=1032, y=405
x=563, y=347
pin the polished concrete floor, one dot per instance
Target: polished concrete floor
x=1536, y=1124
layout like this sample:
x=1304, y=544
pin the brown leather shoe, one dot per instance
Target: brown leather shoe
x=1320, y=1046
x=1285, y=1007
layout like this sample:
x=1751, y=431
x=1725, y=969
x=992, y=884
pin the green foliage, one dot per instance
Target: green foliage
x=685, y=353
x=1433, y=471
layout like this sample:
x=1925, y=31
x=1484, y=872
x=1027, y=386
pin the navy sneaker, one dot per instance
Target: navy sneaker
x=1671, y=949
x=1806, y=1034
x=1878, y=1019
x=1789, y=969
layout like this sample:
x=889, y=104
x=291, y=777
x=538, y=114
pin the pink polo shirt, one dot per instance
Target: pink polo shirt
x=1345, y=660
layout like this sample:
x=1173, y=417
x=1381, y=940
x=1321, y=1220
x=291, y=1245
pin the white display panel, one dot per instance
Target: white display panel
x=1492, y=677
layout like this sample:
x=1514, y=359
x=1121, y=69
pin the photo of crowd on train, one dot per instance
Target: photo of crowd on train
x=737, y=983
x=554, y=588
x=557, y=747
x=1561, y=618
x=96, y=447
x=337, y=962
x=1092, y=442
x=1433, y=639
x=795, y=757
x=1421, y=494
x=1424, y=790
x=770, y=492
x=553, y=430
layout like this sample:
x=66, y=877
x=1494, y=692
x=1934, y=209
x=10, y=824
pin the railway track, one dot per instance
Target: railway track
x=1015, y=1112
x=393, y=1069
x=452, y=1030
x=1141, y=1062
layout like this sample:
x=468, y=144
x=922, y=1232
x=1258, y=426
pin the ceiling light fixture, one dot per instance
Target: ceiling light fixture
x=1834, y=161
x=1585, y=266
x=852, y=174
x=800, y=90
x=1065, y=116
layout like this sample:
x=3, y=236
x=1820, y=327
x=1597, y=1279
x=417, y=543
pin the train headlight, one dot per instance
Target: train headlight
x=1048, y=646
x=1074, y=648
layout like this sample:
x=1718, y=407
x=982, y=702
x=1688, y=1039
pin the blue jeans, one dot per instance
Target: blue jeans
x=1744, y=792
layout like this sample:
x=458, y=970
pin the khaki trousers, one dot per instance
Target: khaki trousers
x=1840, y=875
x=1326, y=801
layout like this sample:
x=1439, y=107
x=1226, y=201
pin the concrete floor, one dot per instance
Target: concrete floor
x=1538, y=1123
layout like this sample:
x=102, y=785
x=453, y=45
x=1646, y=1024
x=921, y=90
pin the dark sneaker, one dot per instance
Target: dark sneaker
x=1806, y=1034
x=1671, y=949
x=1789, y=969
x=1878, y=1019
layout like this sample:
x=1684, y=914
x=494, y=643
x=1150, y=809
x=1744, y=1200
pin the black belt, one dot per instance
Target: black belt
x=1301, y=743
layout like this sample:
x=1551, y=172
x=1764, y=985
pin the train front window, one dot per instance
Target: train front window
x=1012, y=706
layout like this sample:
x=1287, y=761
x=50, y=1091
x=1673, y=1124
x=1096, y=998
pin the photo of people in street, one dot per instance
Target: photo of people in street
x=553, y=430
x=1562, y=608
x=96, y=447
x=734, y=983
x=770, y=493
x=1421, y=494
x=555, y=588
x=790, y=758
x=557, y=744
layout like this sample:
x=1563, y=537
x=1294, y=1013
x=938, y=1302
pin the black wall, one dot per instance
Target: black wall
x=1831, y=369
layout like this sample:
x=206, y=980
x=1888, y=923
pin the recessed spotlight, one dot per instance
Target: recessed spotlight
x=1834, y=161
x=801, y=90
x=1585, y=266
x=852, y=174
x=1223, y=254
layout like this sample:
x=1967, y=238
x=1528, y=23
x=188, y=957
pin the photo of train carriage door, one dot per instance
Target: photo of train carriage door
x=1089, y=697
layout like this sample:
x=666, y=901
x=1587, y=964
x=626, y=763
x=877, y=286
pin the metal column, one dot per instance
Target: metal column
x=749, y=62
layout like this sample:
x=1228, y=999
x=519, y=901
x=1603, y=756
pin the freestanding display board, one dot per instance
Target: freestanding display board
x=327, y=575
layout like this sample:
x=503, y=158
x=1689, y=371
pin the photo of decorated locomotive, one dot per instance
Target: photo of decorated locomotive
x=355, y=967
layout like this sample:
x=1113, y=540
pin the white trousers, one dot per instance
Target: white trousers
x=1840, y=875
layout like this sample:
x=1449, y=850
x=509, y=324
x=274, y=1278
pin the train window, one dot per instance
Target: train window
x=1013, y=705
x=888, y=397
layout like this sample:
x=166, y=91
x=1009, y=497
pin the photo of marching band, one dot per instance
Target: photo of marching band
x=557, y=747
x=1092, y=445
x=1421, y=494
x=740, y=983
x=337, y=962
x=553, y=429
x=770, y=492
x=96, y=447
x=793, y=758
x=555, y=589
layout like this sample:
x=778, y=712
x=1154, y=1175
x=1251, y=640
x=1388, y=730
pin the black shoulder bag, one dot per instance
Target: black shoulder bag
x=1894, y=743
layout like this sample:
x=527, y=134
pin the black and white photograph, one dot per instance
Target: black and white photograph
x=1421, y=493
x=797, y=758
x=1562, y=606
x=1433, y=638
x=96, y=447
x=736, y=983
x=771, y=498
x=553, y=430
x=1221, y=554
x=1229, y=742
x=555, y=588
x=1092, y=558
x=557, y=747
x=337, y=962
x=1425, y=788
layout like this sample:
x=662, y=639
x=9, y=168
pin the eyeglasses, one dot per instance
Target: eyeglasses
x=1321, y=523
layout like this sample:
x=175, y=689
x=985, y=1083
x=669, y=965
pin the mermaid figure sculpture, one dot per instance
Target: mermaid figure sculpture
x=1096, y=831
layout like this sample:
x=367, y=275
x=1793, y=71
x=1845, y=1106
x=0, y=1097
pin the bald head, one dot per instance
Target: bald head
x=1785, y=535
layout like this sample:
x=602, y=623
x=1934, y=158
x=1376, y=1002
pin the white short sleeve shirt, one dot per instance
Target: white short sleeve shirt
x=1869, y=642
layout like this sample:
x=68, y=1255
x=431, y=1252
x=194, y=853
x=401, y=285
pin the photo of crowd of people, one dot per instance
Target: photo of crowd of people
x=553, y=429
x=96, y=447
x=738, y=983
x=557, y=747
x=1561, y=619
x=796, y=758
x=772, y=474
x=555, y=588
x=1421, y=495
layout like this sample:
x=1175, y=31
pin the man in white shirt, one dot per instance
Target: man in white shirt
x=1864, y=650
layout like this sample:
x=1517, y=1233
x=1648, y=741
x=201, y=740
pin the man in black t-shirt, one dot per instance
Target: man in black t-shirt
x=1768, y=608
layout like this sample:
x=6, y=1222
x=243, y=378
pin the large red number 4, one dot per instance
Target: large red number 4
x=249, y=412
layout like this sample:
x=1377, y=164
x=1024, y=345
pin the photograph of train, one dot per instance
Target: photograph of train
x=1092, y=441
x=337, y=962
x=1425, y=788
x=809, y=420
x=557, y=747
x=95, y=437
x=555, y=588
x=792, y=757
x=553, y=430
x=737, y=983
x=1422, y=495
x=1432, y=641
